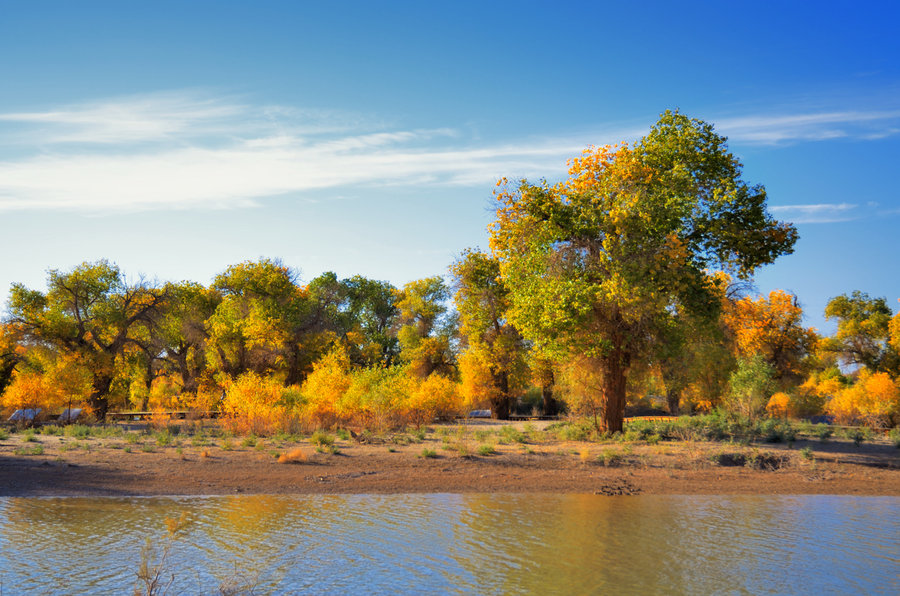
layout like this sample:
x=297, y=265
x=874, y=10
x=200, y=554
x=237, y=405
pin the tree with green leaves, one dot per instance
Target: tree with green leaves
x=863, y=332
x=425, y=333
x=492, y=343
x=372, y=309
x=92, y=315
x=597, y=264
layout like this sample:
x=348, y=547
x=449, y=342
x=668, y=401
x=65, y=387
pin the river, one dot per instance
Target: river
x=450, y=543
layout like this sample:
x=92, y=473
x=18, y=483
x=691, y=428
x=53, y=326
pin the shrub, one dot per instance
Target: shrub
x=294, y=456
x=321, y=438
x=258, y=405
x=428, y=453
x=486, y=450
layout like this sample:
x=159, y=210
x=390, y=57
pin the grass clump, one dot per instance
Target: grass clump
x=79, y=431
x=3, y=434
x=36, y=450
x=486, y=450
x=509, y=434
x=321, y=438
x=428, y=453
x=893, y=436
x=28, y=436
x=294, y=456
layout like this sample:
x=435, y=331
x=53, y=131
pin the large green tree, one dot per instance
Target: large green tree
x=492, y=342
x=90, y=313
x=597, y=264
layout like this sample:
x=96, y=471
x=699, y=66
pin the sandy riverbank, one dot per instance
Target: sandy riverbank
x=445, y=460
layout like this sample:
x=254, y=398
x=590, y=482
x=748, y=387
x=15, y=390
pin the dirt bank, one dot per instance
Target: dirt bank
x=445, y=459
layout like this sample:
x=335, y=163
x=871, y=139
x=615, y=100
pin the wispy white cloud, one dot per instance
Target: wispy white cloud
x=771, y=129
x=195, y=150
x=819, y=213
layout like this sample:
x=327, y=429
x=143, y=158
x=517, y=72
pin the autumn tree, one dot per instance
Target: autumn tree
x=772, y=327
x=178, y=338
x=863, y=332
x=596, y=264
x=492, y=343
x=424, y=333
x=90, y=314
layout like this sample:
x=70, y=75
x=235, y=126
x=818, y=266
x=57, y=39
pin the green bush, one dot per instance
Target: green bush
x=321, y=438
x=894, y=436
x=486, y=450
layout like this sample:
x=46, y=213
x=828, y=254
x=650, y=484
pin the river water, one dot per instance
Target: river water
x=484, y=544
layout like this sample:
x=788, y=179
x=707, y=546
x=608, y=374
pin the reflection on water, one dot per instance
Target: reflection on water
x=498, y=544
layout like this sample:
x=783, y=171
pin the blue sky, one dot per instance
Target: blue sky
x=177, y=138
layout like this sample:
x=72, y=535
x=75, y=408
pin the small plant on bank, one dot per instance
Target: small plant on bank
x=249, y=441
x=419, y=434
x=894, y=437
x=3, y=434
x=857, y=435
x=227, y=445
x=343, y=434
x=509, y=434
x=79, y=431
x=486, y=450
x=36, y=450
x=294, y=456
x=807, y=454
x=28, y=436
x=428, y=453
x=609, y=458
x=321, y=438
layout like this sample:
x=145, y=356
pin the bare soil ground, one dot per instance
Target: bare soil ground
x=448, y=459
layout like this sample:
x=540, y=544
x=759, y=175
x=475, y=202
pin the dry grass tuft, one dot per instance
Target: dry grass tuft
x=295, y=456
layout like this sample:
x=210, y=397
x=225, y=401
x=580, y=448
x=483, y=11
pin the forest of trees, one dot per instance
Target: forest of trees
x=626, y=283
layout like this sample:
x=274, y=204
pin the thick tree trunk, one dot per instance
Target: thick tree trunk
x=614, y=367
x=500, y=404
x=99, y=398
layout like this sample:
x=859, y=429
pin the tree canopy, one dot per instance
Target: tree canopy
x=597, y=263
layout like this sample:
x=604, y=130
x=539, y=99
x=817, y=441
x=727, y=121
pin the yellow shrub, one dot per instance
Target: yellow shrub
x=255, y=404
x=435, y=397
x=325, y=387
x=873, y=399
x=779, y=405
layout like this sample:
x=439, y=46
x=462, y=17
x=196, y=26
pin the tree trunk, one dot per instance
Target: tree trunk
x=673, y=398
x=99, y=398
x=551, y=408
x=614, y=367
x=500, y=404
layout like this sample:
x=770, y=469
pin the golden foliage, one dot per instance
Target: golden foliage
x=779, y=405
x=874, y=399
